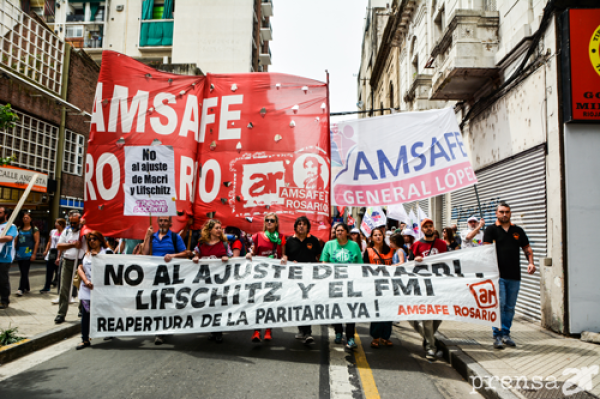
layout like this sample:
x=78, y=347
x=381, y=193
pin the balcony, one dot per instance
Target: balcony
x=29, y=48
x=267, y=8
x=87, y=36
x=264, y=58
x=156, y=34
x=419, y=89
x=266, y=32
x=464, y=56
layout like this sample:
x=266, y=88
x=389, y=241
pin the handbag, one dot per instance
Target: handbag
x=76, y=280
x=52, y=255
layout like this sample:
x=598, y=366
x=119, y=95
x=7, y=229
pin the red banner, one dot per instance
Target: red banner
x=244, y=144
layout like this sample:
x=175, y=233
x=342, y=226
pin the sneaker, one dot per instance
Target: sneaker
x=498, y=343
x=338, y=338
x=158, y=340
x=430, y=355
x=439, y=354
x=351, y=344
x=256, y=336
x=3, y=305
x=308, y=340
x=19, y=293
x=268, y=335
x=300, y=336
x=507, y=340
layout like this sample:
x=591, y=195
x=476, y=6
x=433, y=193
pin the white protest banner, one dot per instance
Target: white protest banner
x=141, y=295
x=150, y=181
x=397, y=212
x=403, y=157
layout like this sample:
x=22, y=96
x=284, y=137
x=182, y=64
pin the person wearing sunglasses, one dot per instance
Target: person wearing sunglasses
x=271, y=244
x=96, y=244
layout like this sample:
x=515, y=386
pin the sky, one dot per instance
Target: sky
x=311, y=36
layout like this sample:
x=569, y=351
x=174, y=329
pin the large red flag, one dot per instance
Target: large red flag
x=230, y=147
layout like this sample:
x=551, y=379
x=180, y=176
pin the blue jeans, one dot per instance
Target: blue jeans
x=509, y=291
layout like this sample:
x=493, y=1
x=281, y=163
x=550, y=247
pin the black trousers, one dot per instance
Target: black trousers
x=4, y=283
x=85, y=324
x=350, y=328
x=24, y=266
x=51, y=271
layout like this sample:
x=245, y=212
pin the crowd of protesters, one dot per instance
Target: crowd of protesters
x=68, y=260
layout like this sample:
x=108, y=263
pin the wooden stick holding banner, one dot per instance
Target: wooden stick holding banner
x=478, y=201
x=22, y=200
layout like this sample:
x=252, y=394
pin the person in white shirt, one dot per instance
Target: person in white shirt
x=72, y=244
x=473, y=236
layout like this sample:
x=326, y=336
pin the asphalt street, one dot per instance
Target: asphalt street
x=191, y=366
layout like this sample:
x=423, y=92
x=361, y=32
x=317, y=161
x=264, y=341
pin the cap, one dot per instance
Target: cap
x=388, y=233
x=473, y=219
x=426, y=220
x=408, y=232
x=355, y=230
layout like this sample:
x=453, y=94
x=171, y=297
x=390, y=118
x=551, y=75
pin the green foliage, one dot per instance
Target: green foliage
x=7, y=117
x=9, y=336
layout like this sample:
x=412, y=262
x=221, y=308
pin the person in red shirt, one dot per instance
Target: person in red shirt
x=427, y=246
x=269, y=243
x=212, y=245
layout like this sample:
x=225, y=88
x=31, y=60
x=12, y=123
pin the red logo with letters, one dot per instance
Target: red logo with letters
x=485, y=294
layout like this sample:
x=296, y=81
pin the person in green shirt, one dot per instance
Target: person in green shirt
x=342, y=250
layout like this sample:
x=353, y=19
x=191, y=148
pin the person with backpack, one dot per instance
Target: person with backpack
x=271, y=244
x=379, y=253
x=27, y=246
x=213, y=245
x=164, y=243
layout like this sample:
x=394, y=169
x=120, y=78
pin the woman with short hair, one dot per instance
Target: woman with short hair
x=27, y=246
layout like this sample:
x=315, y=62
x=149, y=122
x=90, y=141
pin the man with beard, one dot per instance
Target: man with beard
x=509, y=239
x=73, y=246
x=7, y=256
x=302, y=247
x=164, y=243
x=313, y=173
x=426, y=246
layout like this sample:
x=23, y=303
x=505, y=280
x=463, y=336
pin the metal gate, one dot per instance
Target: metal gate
x=521, y=182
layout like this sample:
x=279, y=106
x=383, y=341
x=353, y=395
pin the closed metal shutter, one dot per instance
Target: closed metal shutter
x=424, y=204
x=521, y=182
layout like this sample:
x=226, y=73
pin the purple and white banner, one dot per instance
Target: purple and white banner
x=398, y=158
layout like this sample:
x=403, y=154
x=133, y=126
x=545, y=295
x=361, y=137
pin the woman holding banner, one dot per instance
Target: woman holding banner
x=269, y=243
x=213, y=245
x=342, y=250
x=96, y=244
x=379, y=253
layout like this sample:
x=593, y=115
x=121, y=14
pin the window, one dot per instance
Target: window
x=74, y=31
x=73, y=156
x=33, y=142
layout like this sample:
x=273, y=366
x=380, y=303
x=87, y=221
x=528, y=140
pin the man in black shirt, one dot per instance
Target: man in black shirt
x=509, y=240
x=302, y=247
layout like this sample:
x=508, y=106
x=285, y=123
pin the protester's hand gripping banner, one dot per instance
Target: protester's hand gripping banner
x=141, y=295
x=398, y=158
x=230, y=147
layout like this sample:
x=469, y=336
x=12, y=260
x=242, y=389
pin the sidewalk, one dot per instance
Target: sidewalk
x=538, y=353
x=34, y=314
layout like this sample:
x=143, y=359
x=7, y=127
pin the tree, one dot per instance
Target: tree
x=7, y=121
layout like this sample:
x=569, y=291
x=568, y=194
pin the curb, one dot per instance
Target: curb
x=42, y=340
x=471, y=370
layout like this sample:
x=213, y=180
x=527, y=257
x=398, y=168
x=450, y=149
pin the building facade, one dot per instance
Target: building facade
x=218, y=36
x=50, y=86
x=498, y=63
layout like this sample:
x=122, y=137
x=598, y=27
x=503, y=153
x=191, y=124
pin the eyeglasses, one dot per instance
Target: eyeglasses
x=270, y=220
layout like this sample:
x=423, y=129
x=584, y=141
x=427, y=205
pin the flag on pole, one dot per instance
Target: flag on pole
x=374, y=217
x=421, y=215
x=351, y=221
x=397, y=212
x=413, y=223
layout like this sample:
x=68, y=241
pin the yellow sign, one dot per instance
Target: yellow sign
x=595, y=50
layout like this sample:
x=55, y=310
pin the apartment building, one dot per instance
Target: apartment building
x=501, y=65
x=217, y=36
x=50, y=87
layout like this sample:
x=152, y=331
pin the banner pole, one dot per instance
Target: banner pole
x=478, y=201
x=17, y=208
